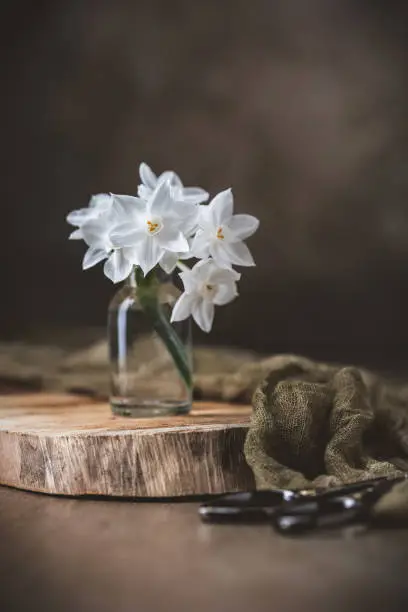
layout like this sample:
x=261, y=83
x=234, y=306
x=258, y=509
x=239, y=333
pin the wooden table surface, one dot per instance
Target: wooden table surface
x=73, y=555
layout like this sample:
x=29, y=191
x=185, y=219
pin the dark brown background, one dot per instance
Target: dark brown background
x=300, y=106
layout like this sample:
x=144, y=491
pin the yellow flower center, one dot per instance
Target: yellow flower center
x=153, y=226
x=220, y=234
x=208, y=291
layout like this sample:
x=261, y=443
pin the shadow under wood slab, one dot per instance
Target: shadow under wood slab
x=70, y=445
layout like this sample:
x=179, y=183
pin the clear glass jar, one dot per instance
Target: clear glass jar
x=150, y=358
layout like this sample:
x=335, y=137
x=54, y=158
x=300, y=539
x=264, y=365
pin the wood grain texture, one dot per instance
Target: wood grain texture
x=69, y=445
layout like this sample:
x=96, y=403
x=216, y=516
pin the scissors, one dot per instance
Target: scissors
x=297, y=511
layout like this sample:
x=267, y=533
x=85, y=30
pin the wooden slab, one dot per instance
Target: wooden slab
x=69, y=445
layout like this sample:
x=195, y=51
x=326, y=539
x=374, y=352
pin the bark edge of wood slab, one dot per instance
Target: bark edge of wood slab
x=71, y=445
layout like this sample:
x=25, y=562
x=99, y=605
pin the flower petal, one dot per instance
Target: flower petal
x=205, y=221
x=221, y=208
x=243, y=226
x=183, y=307
x=175, y=243
x=169, y=261
x=202, y=270
x=117, y=267
x=75, y=235
x=180, y=213
x=129, y=208
x=200, y=246
x=225, y=294
x=101, y=201
x=239, y=254
x=160, y=200
x=144, y=192
x=203, y=315
x=195, y=195
x=189, y=281
x=187, y=254
x=147, y=176
x=93, y=257
x=78, y=217
x=99, y=204
x=150, y=252
x=95, y=233
x=190, y=226
x=222, y=275
x=218, y=252
x=131, y=254
x=124, y=236
x=172, y=178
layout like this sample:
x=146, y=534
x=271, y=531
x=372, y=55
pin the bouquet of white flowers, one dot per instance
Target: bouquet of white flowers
x=162, y=227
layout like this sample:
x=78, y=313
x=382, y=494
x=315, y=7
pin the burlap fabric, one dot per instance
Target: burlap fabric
x=86, y=369
x=317, y=425
x=320, y=425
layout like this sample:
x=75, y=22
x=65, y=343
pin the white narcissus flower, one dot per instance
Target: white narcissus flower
x=97, y=233
x=205, y=285
x=193, y=195
x=221, y=233
x=156, y=229
x=99, y=204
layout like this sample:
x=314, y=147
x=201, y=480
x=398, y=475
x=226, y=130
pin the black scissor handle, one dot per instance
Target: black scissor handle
x=294, y=511
x=248, y=506
x=333, y=508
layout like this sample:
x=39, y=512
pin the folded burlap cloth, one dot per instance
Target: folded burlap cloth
x=317, y=425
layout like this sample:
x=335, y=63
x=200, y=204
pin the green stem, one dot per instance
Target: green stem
x=147, y=290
